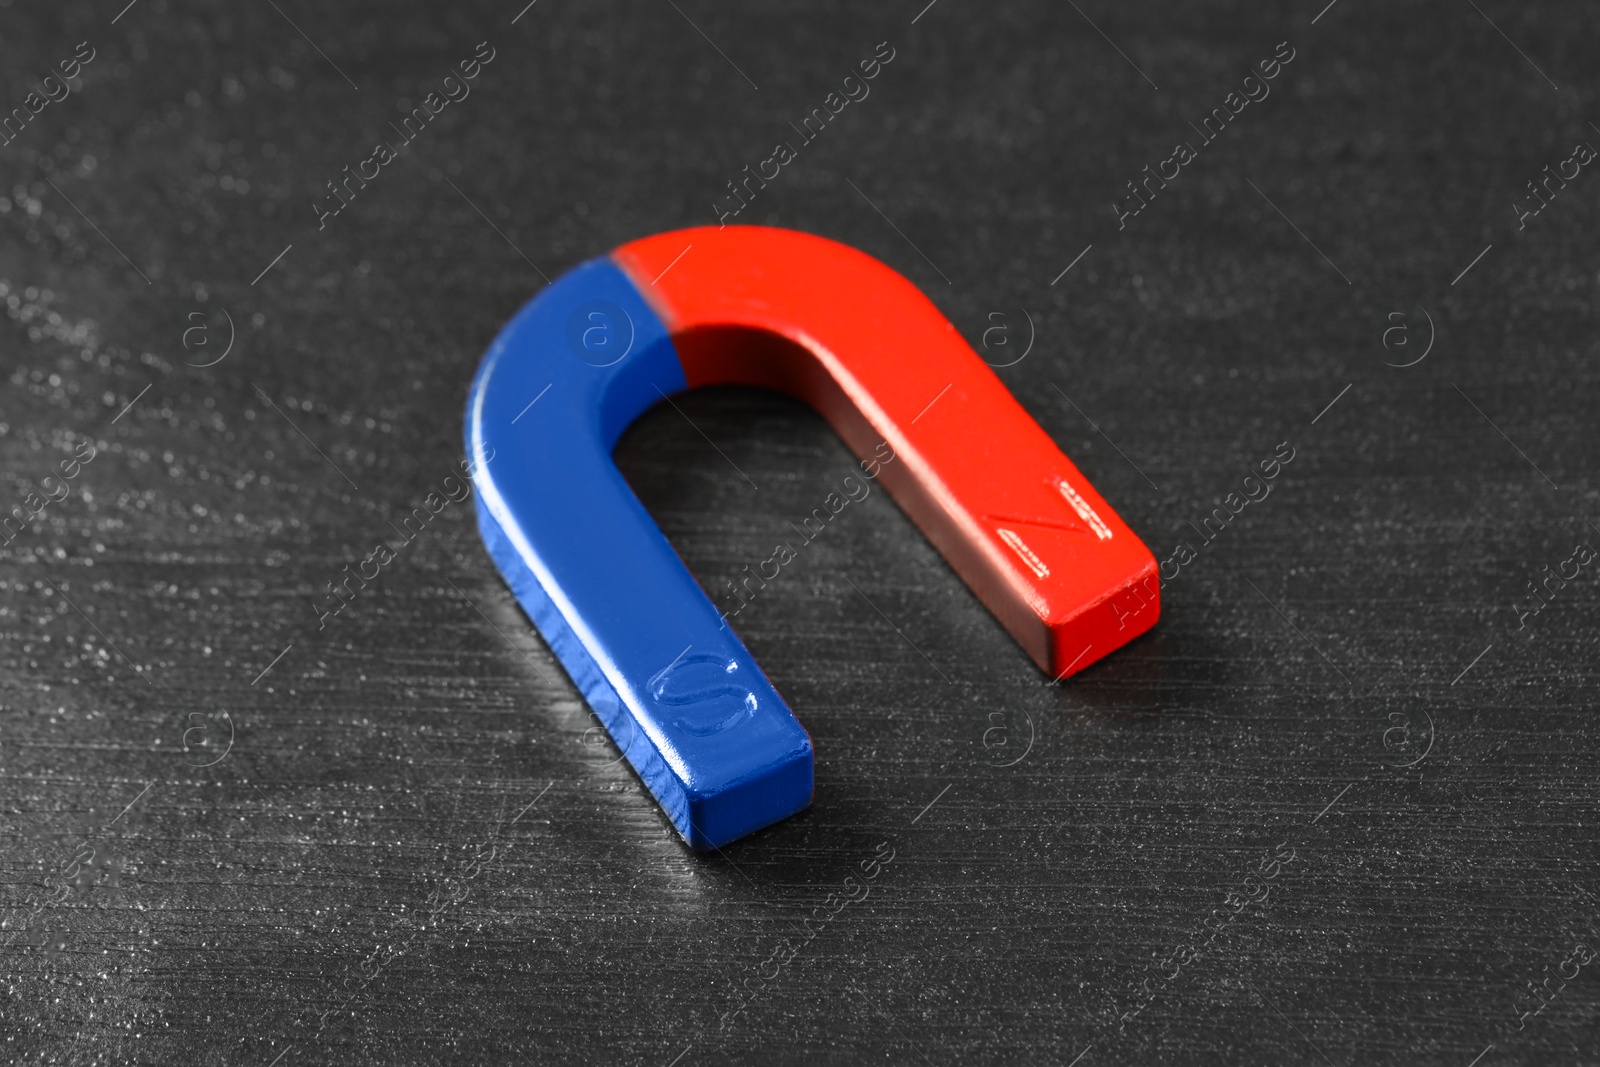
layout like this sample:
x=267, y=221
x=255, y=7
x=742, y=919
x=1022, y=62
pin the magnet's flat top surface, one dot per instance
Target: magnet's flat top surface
x=367, y=847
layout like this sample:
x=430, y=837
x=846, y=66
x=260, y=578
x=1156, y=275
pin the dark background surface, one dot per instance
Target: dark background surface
x=358, y=875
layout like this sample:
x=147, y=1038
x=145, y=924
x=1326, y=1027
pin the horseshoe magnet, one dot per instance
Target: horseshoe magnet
x=681, y=696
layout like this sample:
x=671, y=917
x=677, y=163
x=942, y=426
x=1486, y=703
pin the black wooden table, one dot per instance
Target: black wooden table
x=1337, y=808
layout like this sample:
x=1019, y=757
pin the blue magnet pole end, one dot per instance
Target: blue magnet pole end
x=679, y=693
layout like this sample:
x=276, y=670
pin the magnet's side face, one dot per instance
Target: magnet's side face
x=677, y=690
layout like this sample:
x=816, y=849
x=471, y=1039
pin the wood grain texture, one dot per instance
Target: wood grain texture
x=231, y=836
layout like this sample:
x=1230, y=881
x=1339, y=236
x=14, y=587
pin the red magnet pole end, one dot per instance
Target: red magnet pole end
x=842, y=332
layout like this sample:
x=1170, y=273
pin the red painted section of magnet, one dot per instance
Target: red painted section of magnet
x=841, y=331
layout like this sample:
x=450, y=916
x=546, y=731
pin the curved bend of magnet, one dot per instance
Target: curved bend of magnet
x=675, y=687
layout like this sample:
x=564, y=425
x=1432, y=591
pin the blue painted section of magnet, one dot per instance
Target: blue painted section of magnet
x=680, y=694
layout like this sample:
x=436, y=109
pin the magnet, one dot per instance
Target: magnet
x=677, y=690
